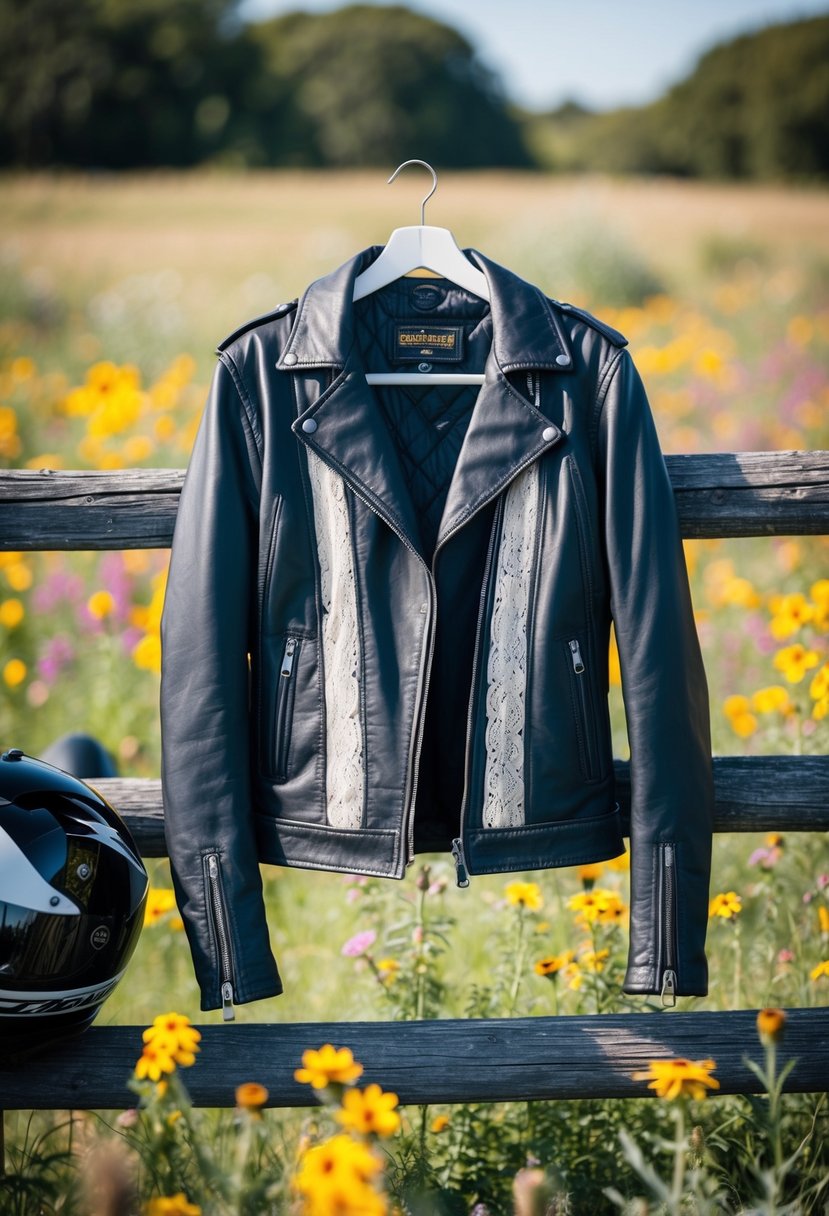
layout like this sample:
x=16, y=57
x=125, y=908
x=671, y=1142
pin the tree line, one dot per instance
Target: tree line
x=118, y=84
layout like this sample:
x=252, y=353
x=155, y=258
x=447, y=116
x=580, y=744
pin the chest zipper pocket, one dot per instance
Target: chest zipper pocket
x=221, y=932
x=284, y=709
x=583, y=708
x=667, y=924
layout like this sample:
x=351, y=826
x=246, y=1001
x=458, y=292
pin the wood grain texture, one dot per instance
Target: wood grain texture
x=457, y=1060
x=722, y=494
x=753, y=794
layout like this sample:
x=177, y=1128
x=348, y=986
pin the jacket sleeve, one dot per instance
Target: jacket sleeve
x=206, y=627
x=665, y=695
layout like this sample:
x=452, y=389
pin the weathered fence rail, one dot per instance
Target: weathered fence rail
x=721, y=494
x=718, y=495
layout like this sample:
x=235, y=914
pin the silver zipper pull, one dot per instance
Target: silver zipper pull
x=669, y=989
x=228, y=1014
x=288, y=658
x=575, y=654
x=460, y=864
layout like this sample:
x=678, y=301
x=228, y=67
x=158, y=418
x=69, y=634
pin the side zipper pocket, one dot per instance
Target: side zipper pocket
x=667, y=924
x=284, y=711
x=221, y=932
x=585, y=722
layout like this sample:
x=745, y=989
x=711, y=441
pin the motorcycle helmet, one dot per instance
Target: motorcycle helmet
x=72, y=895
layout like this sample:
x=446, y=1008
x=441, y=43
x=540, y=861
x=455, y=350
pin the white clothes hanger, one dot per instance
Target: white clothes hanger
x=412, y=248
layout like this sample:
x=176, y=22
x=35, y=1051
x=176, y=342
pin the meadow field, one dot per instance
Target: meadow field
x=114, y=291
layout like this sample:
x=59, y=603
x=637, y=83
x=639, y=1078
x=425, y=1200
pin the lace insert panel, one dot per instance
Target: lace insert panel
x=340, y=648
x=507, y=660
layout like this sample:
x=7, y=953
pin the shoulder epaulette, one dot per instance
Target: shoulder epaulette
x=618, y=339
x=280, y=311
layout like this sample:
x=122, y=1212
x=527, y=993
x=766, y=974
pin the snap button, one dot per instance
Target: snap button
x=309, y=426
x=561, y=360
x=290, y=359
x=548, y=433
x=424, y=367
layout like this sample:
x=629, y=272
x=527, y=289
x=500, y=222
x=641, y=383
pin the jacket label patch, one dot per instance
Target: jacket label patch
x=438, y=343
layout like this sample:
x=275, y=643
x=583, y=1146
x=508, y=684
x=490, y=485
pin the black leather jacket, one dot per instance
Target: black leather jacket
x=387, y=618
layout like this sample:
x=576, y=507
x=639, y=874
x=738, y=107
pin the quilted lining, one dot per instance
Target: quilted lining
x=427, y=424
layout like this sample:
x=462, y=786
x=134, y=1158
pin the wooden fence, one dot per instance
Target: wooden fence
x=719, y=495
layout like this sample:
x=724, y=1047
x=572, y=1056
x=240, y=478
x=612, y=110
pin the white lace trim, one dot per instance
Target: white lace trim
x=340, y=648
x=507, y=661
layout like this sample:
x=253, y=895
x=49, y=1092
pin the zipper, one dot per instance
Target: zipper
x=284, y=709
x=217, y=905
x=460, y=862
x=667, y=926
x=586, y=723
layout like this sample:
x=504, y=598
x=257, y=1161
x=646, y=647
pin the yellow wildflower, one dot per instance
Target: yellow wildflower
x=101, y=604
x=11, y=613
x=335, y=1177
x=790, y=612
x=767, y=700
x=774, y=840
x=770, y=1024
x=18, y=575
x=174, y=1205
x=823, y=919
x=22, y=368
x=736, y=708
x=388, y=968
x=553, y=964
x=819, y=685
x=155, y=1060
x=369, y=1110
x=328, y=1065
x=172, y=1033
x=739, y=591
x=524, y=895
x=251, y=1095
x=620, y=864
x=439, y=1124
x=726, y=905
x=679, y=1078
x=160, y=901
x=819, y=970
x=594, y=960
x=599, y=905
x=14, y=672
x=794, y=661
x=572, y=976
x=147, y=653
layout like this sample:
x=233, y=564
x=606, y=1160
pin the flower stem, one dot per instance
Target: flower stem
x=680, y=1149
x=520, y=951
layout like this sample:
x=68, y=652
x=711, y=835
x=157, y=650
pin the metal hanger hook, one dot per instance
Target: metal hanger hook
x=426, y=165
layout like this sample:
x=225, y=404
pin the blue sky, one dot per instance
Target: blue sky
x=603, y=53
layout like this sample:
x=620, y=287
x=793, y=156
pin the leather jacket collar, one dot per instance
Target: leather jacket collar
x=526, y=331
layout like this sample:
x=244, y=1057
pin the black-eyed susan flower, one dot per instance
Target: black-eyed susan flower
x=794, y=661
x=589, y=874
x=369, y=1110
x=726, y=905
x=14, y=672
x=439, y=1124
x=774, y=698
x=101, y=604
x=328, y=1065
x=790, y=612
x=672, y=1079
x=597, y=906
x=387, y=969
x=154, y=1062
x=550, y=966
x=820, y=970
x=524, y=895
x=250, y=1095
x=737, y=709
x=172, y=1033
x=337, y=1176
x=770, y=1024
x=160, y=901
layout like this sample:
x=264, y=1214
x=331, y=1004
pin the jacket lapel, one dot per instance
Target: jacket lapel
x=345, y=426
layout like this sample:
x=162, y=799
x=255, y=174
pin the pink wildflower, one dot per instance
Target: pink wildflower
x=359, y=943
